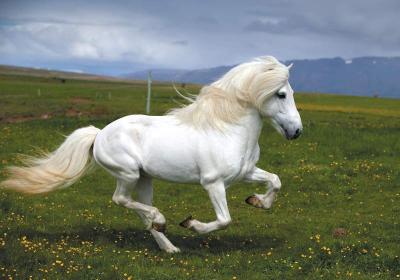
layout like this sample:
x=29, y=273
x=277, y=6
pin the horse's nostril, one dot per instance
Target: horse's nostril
x=297, y=133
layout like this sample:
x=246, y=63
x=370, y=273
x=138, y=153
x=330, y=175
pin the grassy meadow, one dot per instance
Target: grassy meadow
x=336, y=217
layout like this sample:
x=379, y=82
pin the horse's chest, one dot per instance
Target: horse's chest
x=240, y=163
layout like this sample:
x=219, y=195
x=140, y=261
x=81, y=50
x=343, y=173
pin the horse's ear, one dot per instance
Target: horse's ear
x=290, y=66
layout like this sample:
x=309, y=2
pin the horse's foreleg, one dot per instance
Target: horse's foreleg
x=216, y=192
x=273, y=184
x=144, y=190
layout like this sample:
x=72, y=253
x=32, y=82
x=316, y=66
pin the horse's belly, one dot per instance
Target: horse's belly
x=170, y=155
x=170, y=171
x=189, y=157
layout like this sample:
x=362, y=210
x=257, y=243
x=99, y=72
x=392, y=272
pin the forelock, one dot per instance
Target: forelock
x=273, y=76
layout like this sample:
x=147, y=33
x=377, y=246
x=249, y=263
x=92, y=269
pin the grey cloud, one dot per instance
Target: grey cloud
x=207, y=20
x=364, y=21
x=193, y=34
x=301, y=24
x=180, y=42
x=50, y=20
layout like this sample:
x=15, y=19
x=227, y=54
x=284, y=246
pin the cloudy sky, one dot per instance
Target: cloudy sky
x=113, y=37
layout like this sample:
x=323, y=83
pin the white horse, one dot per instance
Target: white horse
x=213, y=141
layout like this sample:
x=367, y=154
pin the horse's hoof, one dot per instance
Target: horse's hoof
x=186, y=222
x=254, y=201
x=159, y=227
x=172, y=250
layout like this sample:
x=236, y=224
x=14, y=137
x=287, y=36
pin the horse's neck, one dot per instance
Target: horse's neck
x=251, y=125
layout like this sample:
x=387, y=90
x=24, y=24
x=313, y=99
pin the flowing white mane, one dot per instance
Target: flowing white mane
x=227, y=99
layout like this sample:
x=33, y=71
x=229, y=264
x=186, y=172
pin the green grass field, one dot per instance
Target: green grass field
x=337, y=215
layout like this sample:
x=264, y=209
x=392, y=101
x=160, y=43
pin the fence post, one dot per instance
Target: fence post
x=148, y=93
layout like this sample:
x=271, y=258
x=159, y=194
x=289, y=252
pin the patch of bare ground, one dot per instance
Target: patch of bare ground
x=73, y=113
x=70, y=113
x=80, y=100
x=24, y=118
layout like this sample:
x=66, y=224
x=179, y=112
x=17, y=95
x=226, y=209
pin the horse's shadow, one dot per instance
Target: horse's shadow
x=138, y=239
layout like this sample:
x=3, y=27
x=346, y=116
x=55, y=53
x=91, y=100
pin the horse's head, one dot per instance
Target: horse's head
x=281, y=109
x=274, y=96
x=264, y=84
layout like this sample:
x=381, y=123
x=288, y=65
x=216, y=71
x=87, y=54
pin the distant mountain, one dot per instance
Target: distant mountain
x=199, y=76
x=359, y=76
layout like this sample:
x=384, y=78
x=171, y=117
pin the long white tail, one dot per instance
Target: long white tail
x=55, y=170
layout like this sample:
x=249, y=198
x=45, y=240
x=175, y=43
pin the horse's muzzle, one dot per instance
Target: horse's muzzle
x=292, y=136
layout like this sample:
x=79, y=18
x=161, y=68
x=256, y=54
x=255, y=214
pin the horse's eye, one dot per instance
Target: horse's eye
x=281, y=95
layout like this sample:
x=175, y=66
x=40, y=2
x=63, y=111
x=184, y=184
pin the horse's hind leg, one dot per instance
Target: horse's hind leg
x=144, y=190
x=122, y=196
x=150, y=215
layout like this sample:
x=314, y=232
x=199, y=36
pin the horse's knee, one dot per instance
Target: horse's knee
x=276, y=183
x=223, y=223
x=154, y=220
x=120, y=200
x=156, y=216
